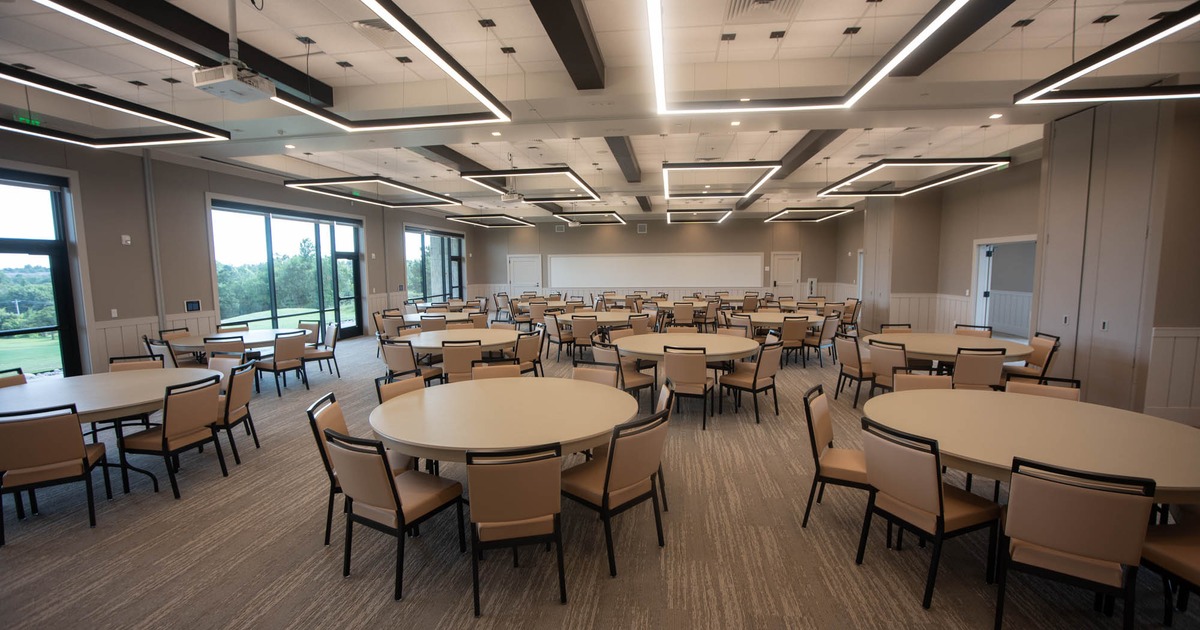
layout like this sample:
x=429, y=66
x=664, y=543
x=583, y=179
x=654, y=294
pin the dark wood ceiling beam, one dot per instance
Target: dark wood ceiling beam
x=450, y=158
x=567, y=24
x=644, y=202
x=806, y=149
x=622, y=150
x=955, y=31
x=746, y=202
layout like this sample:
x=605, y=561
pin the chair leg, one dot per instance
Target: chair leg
x=329, y=517
x=657, y=514
x=562, y=574
x=220, y=455
x=1001, y=582
x=233, y=446
x=400, y=564
x=33, y=507
x=754, y=395
x=304, y=375
x=475, y=568
x=857, y=391
x=87, y=482
x=336, y=367
x=866, y=529
x=662, y=488
x=990, y=571
x=821, y=493
x=279, y=392
x=933, y=567
x=107, y=481
x=812, y=492
x=775, y=395
x=1128, y=607
x=462, y=540
x=251, y=427
x=608, y=542
x=349, y=538
x=1168, y=602
x=171, y=476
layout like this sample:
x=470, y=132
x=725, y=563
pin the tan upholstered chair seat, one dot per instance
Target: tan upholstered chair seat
x=586, y=481
x=865, y=372
x=540, y=526
x=288, y=364
x=1024, y=370
x=844, y=463
x=457, y=377
x=419, y=493
x=1092, y=569
x=313, y=355
x=811, y=339
x=793, y=343
x=38, y=474
x=1175, y=548
x=743, y=376
x=962, y=509
x=694, y=389
x=151, y=439
x=633, y=378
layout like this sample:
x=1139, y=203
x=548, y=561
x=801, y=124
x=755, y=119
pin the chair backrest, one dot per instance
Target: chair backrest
x=239, y=388
x=749, y=303
x=885, y=357
x=665, y=398
x=1064, y=388
x=640, y=323
x=162, y=348
x=529, y=346
x=829, y=328
x=794, y=328
x=635, y=452
x=479, y=320
x=848, y=313
x=683, y=312
x=972, y=331
x=484, y=370
x=168, y=334
x=332, y=331
x=1044, y=347
x=847, y=350
x=819, y=300
x=398, y=355
x=312, y=327
x=606, y=353
x=41, y=437
x=537, y=312
x=619, y=332
x=770, y=358
x=458, y=355
x=1100, y=517
x=189, y=408
x=503, y=326
x=582, y=327
x=136, y=362
x=710, y=313
x=10, y=377
x=904, y=380
x=737, y=320
x=685, y=365
x=377, y=317
x=906, y=468
x=978, y=367
x=364, y=474
x=224, y=344
x=289, y=346
x=224, y=328
x=223, y=362
x=387, y=388
x=883, y=328
x=820, y=422
x=515, y=485
x=596, y=372
x=326, y=413
x=433, y=323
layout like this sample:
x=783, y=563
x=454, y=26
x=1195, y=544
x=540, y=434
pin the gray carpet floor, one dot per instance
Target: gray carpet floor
x=246, y=551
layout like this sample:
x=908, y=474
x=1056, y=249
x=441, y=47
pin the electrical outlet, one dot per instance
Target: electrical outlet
x=372, y=255
x=126, y=240
x=114, y=313
x=967, y=293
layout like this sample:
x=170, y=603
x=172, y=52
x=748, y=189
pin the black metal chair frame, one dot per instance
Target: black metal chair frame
x=736, y=391
x=301, y=371
x=884, y=344
x=819, y=478
x=843, y=378
x=707, y=409
x=224, y=424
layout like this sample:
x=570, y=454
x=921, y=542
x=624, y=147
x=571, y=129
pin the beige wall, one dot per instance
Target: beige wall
x=915, y=242
x=993, y=205
x=1178, y=299
x=849, y=241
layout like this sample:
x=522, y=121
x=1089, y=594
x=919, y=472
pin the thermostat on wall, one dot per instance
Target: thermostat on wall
x=191, y=306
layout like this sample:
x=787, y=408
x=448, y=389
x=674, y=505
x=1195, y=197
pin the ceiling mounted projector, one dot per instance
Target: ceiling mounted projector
x=512, y=197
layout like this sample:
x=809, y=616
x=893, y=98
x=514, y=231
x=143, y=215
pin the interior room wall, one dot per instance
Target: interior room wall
x=916, y=240
x=849, y=241
x=1178, y=299
x=1012, y=267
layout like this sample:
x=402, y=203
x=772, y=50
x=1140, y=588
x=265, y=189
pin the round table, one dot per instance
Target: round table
x=446, y=421
x=104, y=396
x=415, y=318
x=943, y=347
x=603, y=318
x=669, y=305
x=776, y=319
x=717, y=347
x=980, y=432
x=489, y=338
x=252, y=338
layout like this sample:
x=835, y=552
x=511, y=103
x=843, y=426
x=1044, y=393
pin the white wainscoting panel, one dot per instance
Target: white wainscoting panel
x=1009, y=312
x=197, y=323
x=839, y=291
x=951, y=310
x=918, y=309
x=1173, y=380
x=118, y=338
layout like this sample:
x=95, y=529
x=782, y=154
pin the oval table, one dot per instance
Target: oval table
x=252, y=338
x=776, y=319
x=669, y=305
x=716, y=347
x=489, y=338
x=603, y=318
x=980, y=432
x=944, y=347
x=446, y=421
x=415, y=318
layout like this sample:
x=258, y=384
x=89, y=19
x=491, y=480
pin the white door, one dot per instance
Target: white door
x=785, y=274
x=859, y=278
x=983, y=284
x=524, y=273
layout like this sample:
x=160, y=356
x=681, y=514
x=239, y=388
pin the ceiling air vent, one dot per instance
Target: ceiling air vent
x=380, y=33
x=869, y=156
x=761, y=11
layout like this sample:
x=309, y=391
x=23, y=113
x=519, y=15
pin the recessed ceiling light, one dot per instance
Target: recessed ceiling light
x=735, y=123
x=289, y=146
x=996, y=116
x=495, y=133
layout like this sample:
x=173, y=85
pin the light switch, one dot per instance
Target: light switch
x=126, y=240
x=372, y=255
x=967, y=293
x=114, y=313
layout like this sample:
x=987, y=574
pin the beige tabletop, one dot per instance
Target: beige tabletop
x=446, y=421
x=252, y=338
x=549, y=303
x=489, y=338
x=717, y=347
x=776, y=319
x=670, y=304
x=603, y=318
x=943, y=347
x=103, y=396
x=980, y=432
x=415, y=318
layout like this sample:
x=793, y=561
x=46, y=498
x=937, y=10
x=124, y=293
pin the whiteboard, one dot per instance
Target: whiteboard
x=656, y=270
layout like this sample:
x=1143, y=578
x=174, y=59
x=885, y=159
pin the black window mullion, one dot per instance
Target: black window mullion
x=271, y=274
x=320, y=279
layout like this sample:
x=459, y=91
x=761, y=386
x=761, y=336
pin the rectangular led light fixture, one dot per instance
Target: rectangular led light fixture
x=192, y=131
x=321, y=186
x=698, y=215
x=586, y=218
x=482, y=220
x=1048, y=90
x=808, y=215
x=400, y=22
x=974, y=166
x=481, y=178
x=770, y=169
x=924, y=29
x=127, y=31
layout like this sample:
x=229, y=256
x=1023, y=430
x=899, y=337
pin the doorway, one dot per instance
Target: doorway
x=1004, y=286
x=858, y=281
x=785, y=274
x=524, y=273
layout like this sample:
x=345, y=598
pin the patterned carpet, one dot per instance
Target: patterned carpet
x=246, y=551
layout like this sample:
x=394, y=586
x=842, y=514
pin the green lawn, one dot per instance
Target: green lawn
x=289, y=317
x=31, y=353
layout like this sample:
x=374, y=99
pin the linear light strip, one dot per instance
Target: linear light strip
x=314, y=184
x=654, y=10
x=390, y=124
x=476, y=220
x=569, y=217
x=979, y=165
x=724, y=215
x=129, y=37
x=782, y=215
x=1165, y=27
x=772, y=168
x=480, y=178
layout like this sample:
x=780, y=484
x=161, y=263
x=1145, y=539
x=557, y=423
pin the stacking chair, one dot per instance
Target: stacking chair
x=224, y=344
x=615, y=333
x=457, y=358
x=849, y=315
x=1081, y=528
x=326, y=413
x=792, y=334
x=162, y=348
x=582, y=329
x=387, y=387
x=757, y=377
x=632, y=380
x=973, y=331
x=479, y=320
x=288, y=356
x=394, y=505
x=167, y=334
x=537, y=312
x=837, y=466
x=222, y=362
x=885, y=358
x=743, y=323
x=683, y=314
x=895, y=328
x=325, y=350
x=749, y=303
x=313, y=329
x=710, y=316
x=515, y=500
x=904, y=472
x=44, y=447
x=625, y=478
x=978, y=368
x=13, y=376
x=854, y=368
x=136, y=362
x=555, y=335
x=907, y=379
x=401, y=359
x=235, y=406
x=686, y=371
x=1173, y=552
x=1045, y=346
x=1064, y=388
x=433, y=323
x=501, y=301
x=528, y=351
x=495, y=368
x=596, y=372
x=820, y=341
x=190, y=413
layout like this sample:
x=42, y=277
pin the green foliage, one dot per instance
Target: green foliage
x=245, y=291
x=26, y=298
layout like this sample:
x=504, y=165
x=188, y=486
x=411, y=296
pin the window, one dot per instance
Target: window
x=37, y=310
x=435, y=264
x=275, y=268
